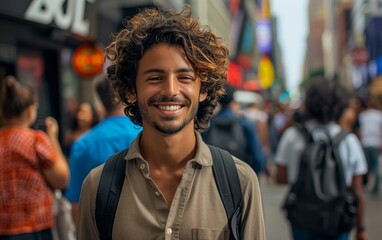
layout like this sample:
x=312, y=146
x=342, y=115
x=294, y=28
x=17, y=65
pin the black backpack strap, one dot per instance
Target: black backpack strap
x=304, y=132
x=228, y=184
x=339, y=137
x=108, y=193
x=336, y=140
x=112, y=178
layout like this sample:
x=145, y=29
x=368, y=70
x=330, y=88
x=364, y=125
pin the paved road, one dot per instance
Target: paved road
x=277, y=227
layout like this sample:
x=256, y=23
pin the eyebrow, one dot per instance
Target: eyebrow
x=158, y=70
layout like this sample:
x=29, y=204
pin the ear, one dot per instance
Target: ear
x=30, y=111
x=202, y=96
x=30, y=114
x=131, y=96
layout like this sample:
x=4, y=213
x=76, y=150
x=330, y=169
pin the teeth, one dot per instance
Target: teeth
x=169, y=108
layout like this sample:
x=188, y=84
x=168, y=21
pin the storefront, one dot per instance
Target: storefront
x=37, y=41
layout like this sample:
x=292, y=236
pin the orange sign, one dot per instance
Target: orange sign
x=87, y=60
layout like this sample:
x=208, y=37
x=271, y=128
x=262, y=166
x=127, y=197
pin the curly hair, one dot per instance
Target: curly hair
x=205, y=51
x=326, y=100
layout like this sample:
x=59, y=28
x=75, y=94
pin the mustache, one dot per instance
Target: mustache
x=166, y=99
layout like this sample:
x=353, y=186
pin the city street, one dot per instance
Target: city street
x=277, y=227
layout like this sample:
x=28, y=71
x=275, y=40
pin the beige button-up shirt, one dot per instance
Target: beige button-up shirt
x=196, y=212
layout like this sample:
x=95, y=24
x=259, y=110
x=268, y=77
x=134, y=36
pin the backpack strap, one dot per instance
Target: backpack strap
x=339, y=137
x=304, y=132
x=228, y=184
x=336, y=140
x=112, y=178
x=108, y=193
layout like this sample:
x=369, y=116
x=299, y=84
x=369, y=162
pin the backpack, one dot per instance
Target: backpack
x=319, y=200
x=113, y=175
x=228, y=134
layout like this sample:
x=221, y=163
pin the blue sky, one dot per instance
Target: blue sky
x=292, y=32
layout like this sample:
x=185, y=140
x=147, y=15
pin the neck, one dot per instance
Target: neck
x=168, y=151
x=15, y=122
x=115, y=112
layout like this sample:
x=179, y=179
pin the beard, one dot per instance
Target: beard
x=171, y=129
x=166, y=125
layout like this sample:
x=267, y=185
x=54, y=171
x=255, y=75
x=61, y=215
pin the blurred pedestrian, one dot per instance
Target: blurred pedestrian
x=235, y=133
x=371, y=138
x=112, y=134
x=31, y=166
x=278, y=122
x=325, y=102
x=259, y=117
x=85, y=118
x=350, y=118
x=169, y=71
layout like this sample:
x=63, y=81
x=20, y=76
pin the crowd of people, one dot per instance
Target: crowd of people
x=164, y=95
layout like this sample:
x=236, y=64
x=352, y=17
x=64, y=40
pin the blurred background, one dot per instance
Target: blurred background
x=276, y=48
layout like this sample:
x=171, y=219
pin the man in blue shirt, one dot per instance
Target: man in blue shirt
x=113, y=134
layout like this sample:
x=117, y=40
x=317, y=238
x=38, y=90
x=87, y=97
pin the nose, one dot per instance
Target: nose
x=170, y=86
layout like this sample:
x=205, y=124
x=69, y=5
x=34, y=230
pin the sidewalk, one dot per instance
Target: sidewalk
x=276, y=226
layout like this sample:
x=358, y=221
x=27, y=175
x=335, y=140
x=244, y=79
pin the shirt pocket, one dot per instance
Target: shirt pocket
x=209, y=234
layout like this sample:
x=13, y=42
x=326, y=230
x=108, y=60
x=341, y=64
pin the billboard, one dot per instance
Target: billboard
x=264, y=36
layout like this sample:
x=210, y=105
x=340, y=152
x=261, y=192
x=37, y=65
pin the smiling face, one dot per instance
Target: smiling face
x=167, y=90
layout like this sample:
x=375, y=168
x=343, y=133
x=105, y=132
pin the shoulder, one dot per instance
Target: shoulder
x=87, y=199
x=352, y=140
x=248, y=178
x=335, y=129
x=243, y=169
x=81, y=144
x=98, y=133
x=42, y=137
x=292, y=133
x=116, y=126
x=91, y=182
x=291, y=144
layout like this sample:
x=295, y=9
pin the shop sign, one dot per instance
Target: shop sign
x=264, y=36
x=87, y=60
x=52, y=11
x=266, y=72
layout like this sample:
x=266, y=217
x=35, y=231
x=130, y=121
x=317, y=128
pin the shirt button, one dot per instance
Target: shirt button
x=157, y=193
x=142, y=166
x=169, y=231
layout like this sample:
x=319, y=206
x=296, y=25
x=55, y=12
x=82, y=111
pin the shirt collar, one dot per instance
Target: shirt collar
x=202, y=156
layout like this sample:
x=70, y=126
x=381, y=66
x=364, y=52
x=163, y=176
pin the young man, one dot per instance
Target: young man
x=324, y=105
x=113, y=134
x=169, y=71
